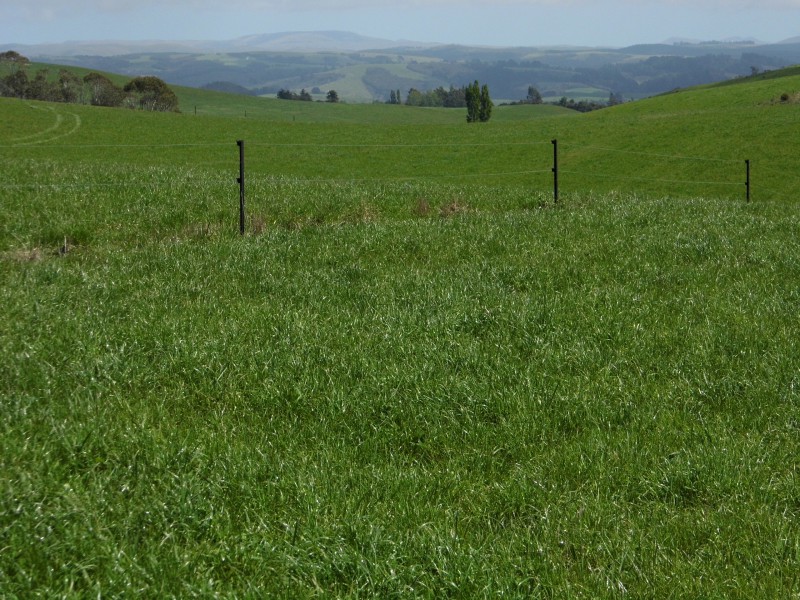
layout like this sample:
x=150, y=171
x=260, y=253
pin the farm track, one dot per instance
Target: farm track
x=52, y=133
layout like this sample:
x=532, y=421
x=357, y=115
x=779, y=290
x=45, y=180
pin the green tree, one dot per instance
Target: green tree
x=70, y=86
x=486, y=105
x=534, y=97
x=102, y=91
x=332, y=96
x=472, y=95
x=15, y=59
x=454, y=97
x=16, y=84
x=414, y=98
x=41, y=88
x=151, y=93
x=479, y=102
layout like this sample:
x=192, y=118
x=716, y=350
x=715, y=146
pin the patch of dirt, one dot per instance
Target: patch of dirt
x=23, y=255
x=423, y=208
x=453, y=208
x=790, y=98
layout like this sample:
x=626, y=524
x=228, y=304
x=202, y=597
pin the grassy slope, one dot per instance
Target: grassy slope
x=438, y=386
x=694, y=142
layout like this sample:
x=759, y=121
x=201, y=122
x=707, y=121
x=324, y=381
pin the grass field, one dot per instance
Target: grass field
x=416, y=375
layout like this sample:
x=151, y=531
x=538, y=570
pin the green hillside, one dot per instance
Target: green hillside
x=766, y=75
x=416, y=374
x=692, y=143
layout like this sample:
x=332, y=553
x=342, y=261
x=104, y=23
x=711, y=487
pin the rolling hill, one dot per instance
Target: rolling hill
x=690, y=142
x=365, y=70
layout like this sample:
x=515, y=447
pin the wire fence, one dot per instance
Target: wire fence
x=571, y=162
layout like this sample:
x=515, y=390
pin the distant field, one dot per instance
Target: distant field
x=416, y=375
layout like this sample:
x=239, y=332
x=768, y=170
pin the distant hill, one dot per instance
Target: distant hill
x=366, y=69
x=292, y=41
x=317, y=41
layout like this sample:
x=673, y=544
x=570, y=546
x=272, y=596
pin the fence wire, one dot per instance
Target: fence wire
x=564, y=150
x=656, y=155
x=647, y=180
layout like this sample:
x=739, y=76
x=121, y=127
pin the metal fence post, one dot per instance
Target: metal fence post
x=240, y=143
x=555, y=170
x=747, y=183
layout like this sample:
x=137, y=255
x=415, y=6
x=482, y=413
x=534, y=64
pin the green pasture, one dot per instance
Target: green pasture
x=416, y=375
x=693, y=143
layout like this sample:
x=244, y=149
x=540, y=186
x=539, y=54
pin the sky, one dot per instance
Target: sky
x=474, y=22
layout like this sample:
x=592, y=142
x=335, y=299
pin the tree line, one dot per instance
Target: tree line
x=633, y=78
x=477, y=100
x=474, y=97
x=535, y=97
x=332, y=95
x=439, y=97
x=146, y=93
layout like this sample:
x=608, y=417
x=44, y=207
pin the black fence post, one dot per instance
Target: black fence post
x=240, y=143
x=555, y=170
x=747, y=182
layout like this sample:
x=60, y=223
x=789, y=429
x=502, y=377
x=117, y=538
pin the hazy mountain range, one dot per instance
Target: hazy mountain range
x=366, y=69
x=290, y=41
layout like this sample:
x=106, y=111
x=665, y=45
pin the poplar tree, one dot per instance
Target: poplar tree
x=479, y=103
x=473, y=97
x=487, y=105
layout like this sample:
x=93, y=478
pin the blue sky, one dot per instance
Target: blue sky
x=482, y=22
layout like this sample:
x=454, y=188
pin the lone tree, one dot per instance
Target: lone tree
x=534, y=96
x=332, y=96
x=479, y=103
